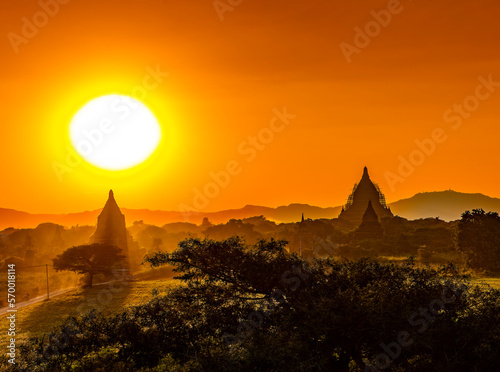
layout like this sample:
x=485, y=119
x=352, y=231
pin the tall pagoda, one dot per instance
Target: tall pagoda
x=111, y=227
x=364, y=193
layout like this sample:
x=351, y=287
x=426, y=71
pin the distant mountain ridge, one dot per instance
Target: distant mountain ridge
x=290, y=213
x=447, y=205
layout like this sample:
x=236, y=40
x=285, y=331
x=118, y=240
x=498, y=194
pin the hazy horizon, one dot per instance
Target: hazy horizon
x=100, y=203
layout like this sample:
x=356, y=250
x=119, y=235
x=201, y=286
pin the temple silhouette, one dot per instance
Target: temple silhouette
x=111, y=227
x=365, y=197
x=370, y=227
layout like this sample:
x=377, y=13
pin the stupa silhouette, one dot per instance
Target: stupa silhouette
x=362, y=194
x=370, y=227
x=303, y=242
x=111, y=227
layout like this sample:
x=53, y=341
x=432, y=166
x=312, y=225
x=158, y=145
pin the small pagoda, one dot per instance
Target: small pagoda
x=370, y=227
x=303, y=242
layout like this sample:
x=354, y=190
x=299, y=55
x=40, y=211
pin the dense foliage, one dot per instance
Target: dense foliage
x=258, y=308
x=478, y=238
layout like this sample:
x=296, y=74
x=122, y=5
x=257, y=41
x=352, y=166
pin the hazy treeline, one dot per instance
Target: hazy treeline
x=38, y=246
x=28, y=247
x=401, y=237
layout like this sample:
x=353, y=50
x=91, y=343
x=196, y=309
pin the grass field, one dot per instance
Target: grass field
x=37, y=319
x=34, y=282
x=493, y=282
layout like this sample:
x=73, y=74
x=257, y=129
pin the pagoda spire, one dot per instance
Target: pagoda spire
x=365, y=173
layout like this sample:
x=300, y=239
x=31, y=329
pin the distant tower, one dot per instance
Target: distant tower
x=206, y=223
x=303, y=242
x=370, y=227
x=111, y=227
x=362, y=194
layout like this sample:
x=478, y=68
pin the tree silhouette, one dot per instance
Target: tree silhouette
x=478, y=239
x=89, y=260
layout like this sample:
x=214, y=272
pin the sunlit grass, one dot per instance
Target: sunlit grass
x=492, y=282
x=34, y=283
x=40, y=318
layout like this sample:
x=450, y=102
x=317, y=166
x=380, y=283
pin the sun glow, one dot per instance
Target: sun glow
x=115, y=132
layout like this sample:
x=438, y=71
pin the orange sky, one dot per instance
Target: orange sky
x=226, y=78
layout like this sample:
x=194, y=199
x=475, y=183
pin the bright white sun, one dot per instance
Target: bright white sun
x=115, y=132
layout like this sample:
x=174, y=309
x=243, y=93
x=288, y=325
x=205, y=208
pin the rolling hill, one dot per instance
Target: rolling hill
x=447, y=205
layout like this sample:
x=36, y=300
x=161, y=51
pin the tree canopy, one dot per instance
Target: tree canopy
x=478, y=238
x=89, y=259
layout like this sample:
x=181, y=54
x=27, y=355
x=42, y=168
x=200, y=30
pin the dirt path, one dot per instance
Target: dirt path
x=35, y=300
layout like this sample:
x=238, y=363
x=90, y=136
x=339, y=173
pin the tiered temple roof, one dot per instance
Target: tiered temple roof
x=364, y=192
